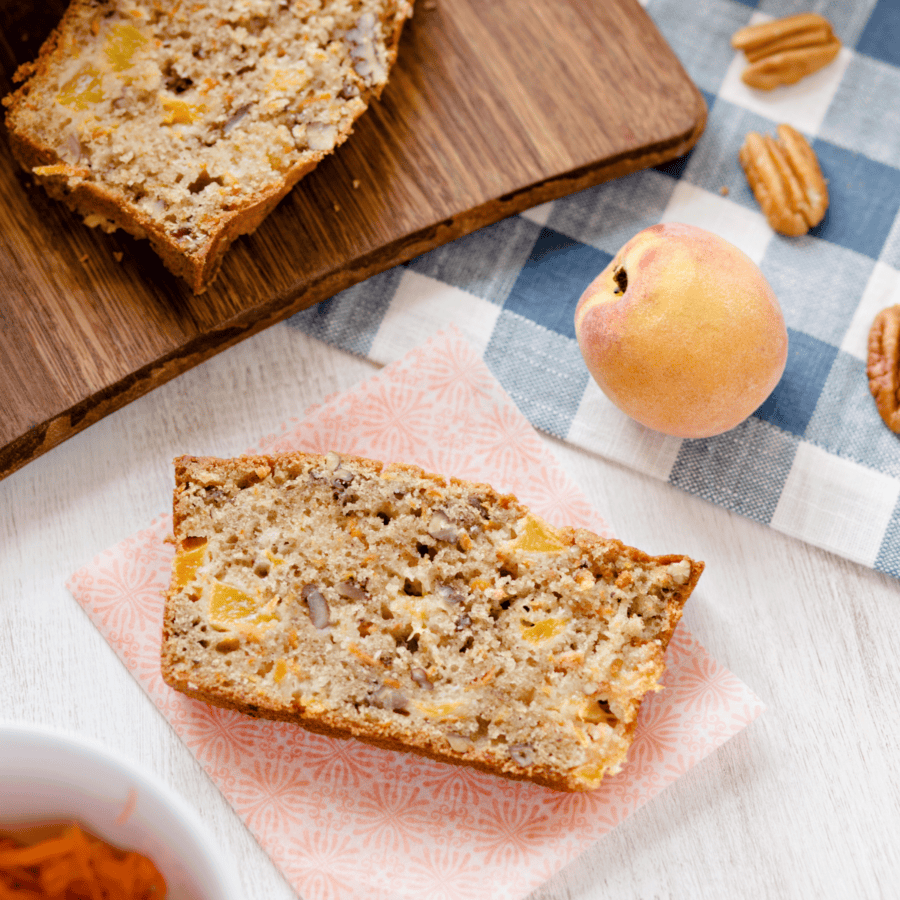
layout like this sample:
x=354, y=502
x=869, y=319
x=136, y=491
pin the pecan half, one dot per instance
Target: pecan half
x=883, y=366
x=786, y=180
x=785, y=50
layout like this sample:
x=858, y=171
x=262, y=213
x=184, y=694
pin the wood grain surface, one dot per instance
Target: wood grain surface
x=804, y=804
x=492, y=108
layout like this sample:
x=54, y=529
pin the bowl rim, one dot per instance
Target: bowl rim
x=228, y=887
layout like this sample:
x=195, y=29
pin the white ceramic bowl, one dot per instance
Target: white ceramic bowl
x=48, y=776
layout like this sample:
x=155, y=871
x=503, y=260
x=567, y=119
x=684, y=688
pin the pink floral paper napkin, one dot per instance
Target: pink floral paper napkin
x=345, y=820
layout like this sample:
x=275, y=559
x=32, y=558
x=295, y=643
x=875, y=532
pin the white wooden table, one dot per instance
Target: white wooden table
x=805, y=802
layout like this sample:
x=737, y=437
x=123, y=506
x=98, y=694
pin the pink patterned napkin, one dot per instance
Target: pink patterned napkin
x=345, y=820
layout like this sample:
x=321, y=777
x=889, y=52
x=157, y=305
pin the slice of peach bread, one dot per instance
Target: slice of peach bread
x=186, y=123
x=416, y=612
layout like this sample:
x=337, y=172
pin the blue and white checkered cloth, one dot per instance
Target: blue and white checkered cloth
x=815, y=461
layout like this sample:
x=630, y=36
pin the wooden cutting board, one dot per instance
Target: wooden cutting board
x=494, y=106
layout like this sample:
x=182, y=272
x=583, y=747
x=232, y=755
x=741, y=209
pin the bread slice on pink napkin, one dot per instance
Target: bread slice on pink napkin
x=343, y=819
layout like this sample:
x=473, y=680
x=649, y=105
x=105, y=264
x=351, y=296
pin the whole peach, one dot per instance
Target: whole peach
x=682, y=331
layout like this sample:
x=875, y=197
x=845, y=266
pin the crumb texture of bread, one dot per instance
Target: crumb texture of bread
x=414, y=611
x=187, y=122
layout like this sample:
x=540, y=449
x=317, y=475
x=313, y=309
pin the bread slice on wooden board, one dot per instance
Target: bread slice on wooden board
x=186, y=123
x=416, y=612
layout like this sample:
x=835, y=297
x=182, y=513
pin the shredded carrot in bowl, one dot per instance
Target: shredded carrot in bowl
x=76, y=865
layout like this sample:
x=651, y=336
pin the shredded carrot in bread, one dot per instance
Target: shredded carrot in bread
x=76, y=866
